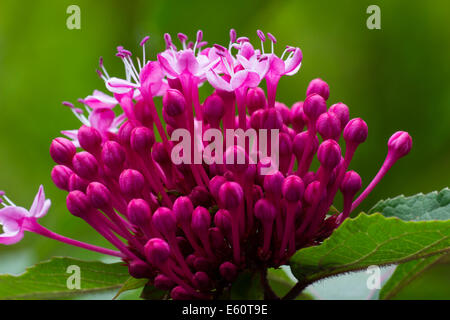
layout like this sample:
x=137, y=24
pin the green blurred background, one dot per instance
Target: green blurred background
x=395, y=78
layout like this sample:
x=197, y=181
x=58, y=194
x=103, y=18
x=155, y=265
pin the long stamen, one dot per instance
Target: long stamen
x=263, y=39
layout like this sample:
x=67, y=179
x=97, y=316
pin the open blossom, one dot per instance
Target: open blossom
x=190, y=228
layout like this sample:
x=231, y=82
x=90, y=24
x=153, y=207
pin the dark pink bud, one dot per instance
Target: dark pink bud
x=222, y=219
x=329, y=126
x=256, y=99
x=216, y=237
x=142, y=140
x=85, y=165
x=183, y=208
x=200, y=196
x=90, y=139
x=131, y=183
x=125, y=133
x=139, y=213
x=285, y=145
x=265, y=210
x=78, y=203
x=157, y=251
x=329, y=154
x=201, y=281
x=60, y=176
x=271, y=119
x=213, y=109
x=399, y=144
x=313, y=192
x=215, y=184
x=113, y=156
x=236, y=159
x=202, y=264
x=298, y=117
x=159, y=153
x=284, y=111
x=143, y=113
x=356, y=131
x=301, y=142
x=179, y=293
x=201, y=220
x=164, y=221
x=174, y=103
x=257, y=118
x=342, y=112
x=77, y=183
x=139, y=269
x=230, y=195
x=62, y=151
x=99, y=195
x=318, y=86
x=351, y=184
x=309, y=177
x=293, y=188
x=257, y=192
x=163, y=282
x=273, y=183
x=228, y=271
x=314, y=106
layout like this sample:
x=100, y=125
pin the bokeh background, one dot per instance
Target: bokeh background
x=395, y=78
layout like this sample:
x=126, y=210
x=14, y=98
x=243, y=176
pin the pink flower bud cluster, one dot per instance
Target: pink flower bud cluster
x=192, y=228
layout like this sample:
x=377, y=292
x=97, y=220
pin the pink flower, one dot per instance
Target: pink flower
x=15, y=219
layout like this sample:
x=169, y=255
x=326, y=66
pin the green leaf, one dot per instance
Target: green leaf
x=420, y=207
x=432, y=206
x=150, y=292
x=280, y=283
x=405, y=274
x=131, y=284
x=49, y=279
x=247, y=287
x=371, y=240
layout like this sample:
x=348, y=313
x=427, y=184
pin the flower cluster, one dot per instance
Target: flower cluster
x=191, y=228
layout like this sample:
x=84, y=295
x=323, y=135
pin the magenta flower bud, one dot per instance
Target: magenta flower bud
x=216, y=238
x=78, y=204
x=399, y=144
x=139, y=269
x=256, y=99
x=163, y=282
x=284, y=111
x=190, y=260
x=164, y=221
x=143, y=114
x=301, y=141
x=131, y=183
x=200, y=196
x=159, y=154
x=99, y=195
x=298, y=117
x=293, y=188
x=183, y=208
x=142, y=140
x=271, y=119
x=113, y=156
x=62, y=151
x=351, y=184
x=313, y=192
x=202, y=264
x=329, y=154
x=157, y=251
x=257, y=118
x=138, y=211
x=230, y=195
x=215, y=184
x=257, y=192
x=342, y=112
x=202, y=281
x=309, y=177
x=201, y=220
x=222, y=220
x=124, y=133
x=228, y=271
x=77, y=183
x=236, y=159
x=314, y=106
x=90, y=139
x=273, y=183
x=180, y=293
x=174, y=103
x=329, y=126
x=213, y=109
x=85, y=165
x=320, y=87
x=265, y=210
x=60, y=176
x=356, y=131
